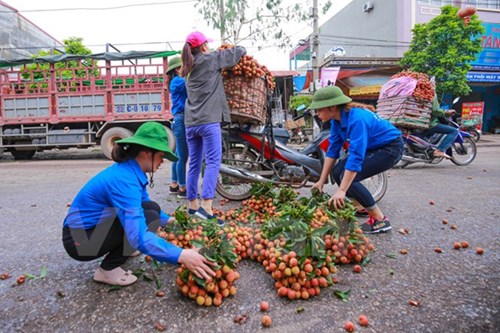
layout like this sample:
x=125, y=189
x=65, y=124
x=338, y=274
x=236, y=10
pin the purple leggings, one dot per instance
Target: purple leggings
x=204, y=141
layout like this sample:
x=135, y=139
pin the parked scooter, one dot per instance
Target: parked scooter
x=419, y=148
x=469, y=126
x=251, y=157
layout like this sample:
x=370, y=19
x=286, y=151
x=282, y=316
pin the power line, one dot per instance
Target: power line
x=99, y=8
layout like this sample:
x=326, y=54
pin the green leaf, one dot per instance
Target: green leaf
x=147, y=278
x=343, y=295
x=366, y=261
x=138, y=272
x=299, y=310
x=184, y=275
x=201, y=282
x=114, y=288
x=155, y=264
x=43, y=272
x=392, y=255
x=30, y=276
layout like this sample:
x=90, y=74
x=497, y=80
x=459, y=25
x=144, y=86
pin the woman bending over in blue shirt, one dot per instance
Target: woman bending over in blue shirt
x=375, y=145
x=113, y=216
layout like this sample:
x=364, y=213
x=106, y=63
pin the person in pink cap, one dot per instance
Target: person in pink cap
x=205, y=110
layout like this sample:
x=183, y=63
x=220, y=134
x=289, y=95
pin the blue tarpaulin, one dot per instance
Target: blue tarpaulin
x=298, y=83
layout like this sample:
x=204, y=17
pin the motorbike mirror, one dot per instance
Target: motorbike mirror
x=456, y=100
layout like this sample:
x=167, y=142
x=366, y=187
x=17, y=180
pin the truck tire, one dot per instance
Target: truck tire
x=22, y=154
x=171, y=139
x=109, y=138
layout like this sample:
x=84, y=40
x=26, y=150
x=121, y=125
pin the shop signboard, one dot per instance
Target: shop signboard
x=489, y=58
x=472, y=112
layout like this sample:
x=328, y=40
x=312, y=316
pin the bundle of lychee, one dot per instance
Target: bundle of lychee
x=249, y=68
x=211, y=292
x=349, y=249
x=183, y=230
x=296, y=278
x=217, y=247
x=424, y=89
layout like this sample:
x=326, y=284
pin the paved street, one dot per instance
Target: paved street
x=457, y=289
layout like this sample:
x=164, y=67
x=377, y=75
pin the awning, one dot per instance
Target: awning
x=97, y=56
x=284, y=73
x=367, y=90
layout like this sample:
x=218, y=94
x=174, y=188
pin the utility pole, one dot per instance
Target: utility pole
x=315, y=45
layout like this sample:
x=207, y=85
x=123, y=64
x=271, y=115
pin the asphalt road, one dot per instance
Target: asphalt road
x=458, y=290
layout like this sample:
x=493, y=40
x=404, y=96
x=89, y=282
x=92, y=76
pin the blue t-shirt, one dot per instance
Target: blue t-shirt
x=119, y=190
x=178, y=94
x=365, y=131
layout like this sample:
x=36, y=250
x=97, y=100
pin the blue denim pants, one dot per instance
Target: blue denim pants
x=450, y=134
x=204, y=141
x=181, y=150
x=375, y=162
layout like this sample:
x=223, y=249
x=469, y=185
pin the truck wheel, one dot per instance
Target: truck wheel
x=22, y=154
x=109, y=138
x=171, y=139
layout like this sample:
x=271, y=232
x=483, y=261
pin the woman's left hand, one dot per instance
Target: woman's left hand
x=171, y=219
x=337, y=200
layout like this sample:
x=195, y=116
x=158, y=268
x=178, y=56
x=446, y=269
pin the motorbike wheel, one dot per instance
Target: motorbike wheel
x=233, y=188
x=475, y=134
x=296, y=140
x=377, y=185
x=464, y=153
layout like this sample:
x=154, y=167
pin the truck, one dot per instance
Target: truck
x=81, y=101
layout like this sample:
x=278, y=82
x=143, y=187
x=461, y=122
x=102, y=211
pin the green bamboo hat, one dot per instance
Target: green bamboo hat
x=328, y=96
x=174, y=63
x=152, y=135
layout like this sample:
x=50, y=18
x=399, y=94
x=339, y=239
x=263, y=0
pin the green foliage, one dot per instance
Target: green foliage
x=444, y=48
x=72, y=45
x=298, y=100
x=258, y=21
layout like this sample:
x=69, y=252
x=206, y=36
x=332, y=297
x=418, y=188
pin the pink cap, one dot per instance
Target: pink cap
x=196, y=39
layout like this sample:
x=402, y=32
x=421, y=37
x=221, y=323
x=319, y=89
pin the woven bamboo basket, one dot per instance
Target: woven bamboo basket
x=246, y=99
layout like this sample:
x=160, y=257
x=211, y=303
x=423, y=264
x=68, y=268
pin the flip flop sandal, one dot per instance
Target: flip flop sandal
x=115, y=277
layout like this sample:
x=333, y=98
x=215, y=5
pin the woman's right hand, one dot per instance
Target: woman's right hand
x=197, y=263
x=319, y=186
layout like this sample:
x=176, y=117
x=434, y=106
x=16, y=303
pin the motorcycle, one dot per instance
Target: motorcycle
x=419, y=148
x=469, y=126
x=297, y=136
x=250, y=157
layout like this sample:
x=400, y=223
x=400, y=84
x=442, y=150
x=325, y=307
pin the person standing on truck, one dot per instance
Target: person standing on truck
x=206, y=108
x=112, y=215
x=375, y=145
x=178, y=95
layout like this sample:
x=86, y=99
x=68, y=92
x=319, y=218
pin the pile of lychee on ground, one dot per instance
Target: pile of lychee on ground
x=299, y=241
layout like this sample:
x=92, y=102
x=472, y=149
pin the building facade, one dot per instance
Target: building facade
x=366, y=39
x=19, y=37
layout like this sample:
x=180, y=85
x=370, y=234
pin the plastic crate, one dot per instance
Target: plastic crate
x=405, y=112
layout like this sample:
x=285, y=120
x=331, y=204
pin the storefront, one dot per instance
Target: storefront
x=484, y=80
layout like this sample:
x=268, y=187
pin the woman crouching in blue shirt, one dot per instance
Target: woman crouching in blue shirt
x=375, y=145
x=113, y=216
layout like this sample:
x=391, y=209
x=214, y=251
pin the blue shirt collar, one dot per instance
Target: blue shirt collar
x=141, y=175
